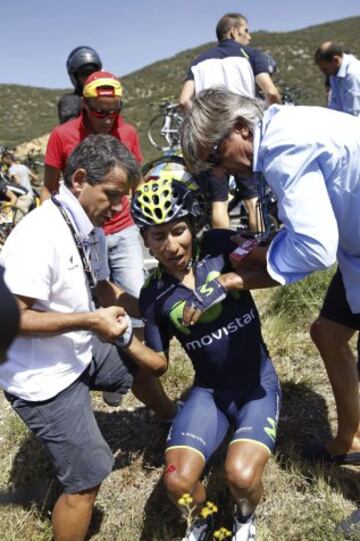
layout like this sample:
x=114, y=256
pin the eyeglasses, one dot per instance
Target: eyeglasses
x=214, y=158
x=101, y=113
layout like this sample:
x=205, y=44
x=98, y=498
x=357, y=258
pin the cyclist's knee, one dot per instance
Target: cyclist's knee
x=242, y=476
x=178, y=481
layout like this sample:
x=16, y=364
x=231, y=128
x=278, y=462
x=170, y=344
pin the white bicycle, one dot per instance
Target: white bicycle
x=163, y=131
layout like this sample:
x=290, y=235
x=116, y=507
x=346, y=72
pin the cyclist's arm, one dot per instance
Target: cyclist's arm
x=249, y=276
x=250, y=272
x=51, y=182
x=219, y=215
x=153, y=361
x=110, y=294
x=11, y=198
x=272, y=94
x=34, y=178
x=186, y=95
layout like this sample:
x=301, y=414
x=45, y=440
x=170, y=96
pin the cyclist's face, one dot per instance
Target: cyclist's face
x=101, y=201
x=108, y=107
x=234, y=154
x=171, y=244
x=241, y=33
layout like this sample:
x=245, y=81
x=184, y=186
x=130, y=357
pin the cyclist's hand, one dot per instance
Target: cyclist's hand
x=109, y=323
x=202, y=299
x=125, y=339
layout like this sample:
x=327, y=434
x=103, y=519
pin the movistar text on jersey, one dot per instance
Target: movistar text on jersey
x=233, y=326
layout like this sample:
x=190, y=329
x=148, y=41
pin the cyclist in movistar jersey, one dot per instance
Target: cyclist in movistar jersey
x=235, y=383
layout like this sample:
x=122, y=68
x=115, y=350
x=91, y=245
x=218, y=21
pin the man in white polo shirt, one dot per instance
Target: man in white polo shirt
x=56, y=266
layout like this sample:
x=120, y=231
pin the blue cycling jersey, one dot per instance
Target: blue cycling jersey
x=225, y=346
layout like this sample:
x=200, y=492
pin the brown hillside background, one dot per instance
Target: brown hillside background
x=28, y=112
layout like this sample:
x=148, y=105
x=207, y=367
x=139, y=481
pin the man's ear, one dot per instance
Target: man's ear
x=337, y=61
x=243, y=129
x=233, y=32
x=77, y=181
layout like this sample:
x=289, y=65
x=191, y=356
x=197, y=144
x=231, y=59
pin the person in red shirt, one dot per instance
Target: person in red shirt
x=100, y=114
x=102, y=94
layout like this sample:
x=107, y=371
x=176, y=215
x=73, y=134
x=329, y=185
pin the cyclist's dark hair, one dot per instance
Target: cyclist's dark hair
x=226, y=22
x=98, y=154
x=327, y=50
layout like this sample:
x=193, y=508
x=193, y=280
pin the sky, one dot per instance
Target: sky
x=37, y=35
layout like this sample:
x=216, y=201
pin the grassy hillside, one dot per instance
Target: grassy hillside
x=28, y=112
x=302, y=502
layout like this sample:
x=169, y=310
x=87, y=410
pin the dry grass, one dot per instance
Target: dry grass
x=301, y=502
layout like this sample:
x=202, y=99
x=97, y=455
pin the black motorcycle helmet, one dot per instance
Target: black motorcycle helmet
x=83, y=59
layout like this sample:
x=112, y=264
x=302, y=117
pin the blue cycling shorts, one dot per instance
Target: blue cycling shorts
x=251, y=410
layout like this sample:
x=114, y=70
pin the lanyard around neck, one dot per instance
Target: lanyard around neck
x=84, y=260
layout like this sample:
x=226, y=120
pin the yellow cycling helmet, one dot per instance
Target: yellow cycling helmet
x=162, y=200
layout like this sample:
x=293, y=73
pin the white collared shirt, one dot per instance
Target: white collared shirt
x=345, y=86
x=42, y=262
x=310, y=157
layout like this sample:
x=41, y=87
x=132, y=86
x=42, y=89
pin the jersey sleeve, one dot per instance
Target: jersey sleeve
x=190, y=75
x=130, y=138
x=54, y=155
x=215, y=189
x=218, y=242
x=258, y=61
x=156, y=333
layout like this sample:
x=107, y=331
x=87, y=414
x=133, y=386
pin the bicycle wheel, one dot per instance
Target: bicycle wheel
x=10, y=215
x=163, y=132
x=156, y=133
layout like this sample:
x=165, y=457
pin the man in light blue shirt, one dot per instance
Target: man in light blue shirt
x=310, y=157
x=343, y=71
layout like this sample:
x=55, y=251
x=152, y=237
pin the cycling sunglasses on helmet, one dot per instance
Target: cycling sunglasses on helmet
x=101, y=113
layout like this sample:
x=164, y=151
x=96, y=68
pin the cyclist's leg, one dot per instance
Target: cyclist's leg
x=253, y=441
x=331, y=333
x=195, y=434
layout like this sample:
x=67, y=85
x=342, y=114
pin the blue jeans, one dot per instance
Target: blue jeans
x=126, y=260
